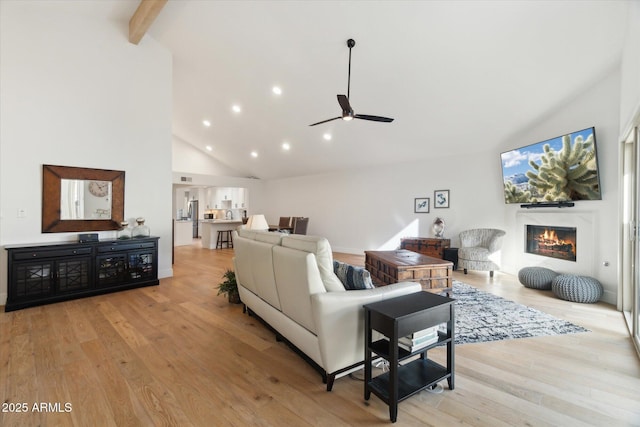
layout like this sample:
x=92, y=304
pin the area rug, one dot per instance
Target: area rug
x=481, y=317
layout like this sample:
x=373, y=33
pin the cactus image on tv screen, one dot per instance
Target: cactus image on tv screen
x=557, y=170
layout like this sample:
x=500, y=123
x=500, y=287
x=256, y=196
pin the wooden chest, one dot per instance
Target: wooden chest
x=387, y=267
x=425, y=245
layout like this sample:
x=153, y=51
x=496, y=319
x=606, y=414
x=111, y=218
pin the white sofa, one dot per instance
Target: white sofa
x=288, y=281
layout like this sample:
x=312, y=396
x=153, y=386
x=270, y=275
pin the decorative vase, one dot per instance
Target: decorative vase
x=125, y=231
x=140, y=230
x=438, y=227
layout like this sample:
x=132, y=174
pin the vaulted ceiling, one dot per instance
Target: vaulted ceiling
x=457, y=76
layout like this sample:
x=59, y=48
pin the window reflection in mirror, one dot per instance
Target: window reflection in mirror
x=85, y=199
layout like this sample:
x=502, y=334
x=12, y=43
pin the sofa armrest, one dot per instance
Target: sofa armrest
x=339, y=320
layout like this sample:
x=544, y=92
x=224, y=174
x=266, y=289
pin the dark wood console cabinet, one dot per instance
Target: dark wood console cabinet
x=426, y=245
x=61, y=271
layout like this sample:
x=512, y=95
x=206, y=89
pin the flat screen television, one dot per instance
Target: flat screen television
x=562, y=169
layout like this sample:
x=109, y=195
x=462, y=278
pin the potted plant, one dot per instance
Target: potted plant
x=229, y=287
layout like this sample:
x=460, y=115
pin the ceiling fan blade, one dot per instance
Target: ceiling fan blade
x=344, y=103
x=373, y=118
x=325, y=121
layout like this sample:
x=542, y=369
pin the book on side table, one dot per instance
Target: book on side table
x=419, y=339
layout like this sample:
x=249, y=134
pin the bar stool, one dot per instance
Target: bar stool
x=224, y=236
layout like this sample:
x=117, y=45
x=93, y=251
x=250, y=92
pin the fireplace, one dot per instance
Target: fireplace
x=551, y=241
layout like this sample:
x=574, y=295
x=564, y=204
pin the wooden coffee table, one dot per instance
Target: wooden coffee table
x=387, y=267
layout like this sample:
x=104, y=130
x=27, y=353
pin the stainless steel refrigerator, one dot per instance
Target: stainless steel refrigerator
x=193, y=216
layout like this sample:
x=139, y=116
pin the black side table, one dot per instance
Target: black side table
x=398, y=317
x=451, y=254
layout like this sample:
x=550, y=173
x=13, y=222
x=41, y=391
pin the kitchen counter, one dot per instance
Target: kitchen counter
x=210, y=228
x=183, y=232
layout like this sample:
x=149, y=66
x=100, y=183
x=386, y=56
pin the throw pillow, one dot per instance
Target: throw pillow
x=352, y=277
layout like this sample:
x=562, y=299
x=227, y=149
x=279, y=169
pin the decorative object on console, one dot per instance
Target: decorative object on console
x=88, y=237
x=140, y=230
x=536, y=277
x=421, y=205
x=480, y=249
x=438, y=227
x=441, y=199
x=554, y=172
x=352, y=277
x=124, y=232
x=257, y=222
x=577, y=288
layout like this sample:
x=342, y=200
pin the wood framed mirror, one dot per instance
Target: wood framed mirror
x=81, y=199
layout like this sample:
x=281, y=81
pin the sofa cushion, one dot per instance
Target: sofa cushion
x=246, y=233
x=264, y=281
x=297, y=278
x=319, y=246
x=260, y=236
x=267, y=237
x=242, y=262
x=352, y=277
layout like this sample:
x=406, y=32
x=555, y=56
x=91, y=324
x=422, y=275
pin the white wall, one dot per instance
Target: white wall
x=630, y=86
x=186, y=157
x=75, y=92
x=372, y=208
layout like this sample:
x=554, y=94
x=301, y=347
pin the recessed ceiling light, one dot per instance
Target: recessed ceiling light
x=207, y=123
x=236, y=108
x=209, y=148
x=277, y=90
x=254, y=154
x=286, y=146
x=327, y=136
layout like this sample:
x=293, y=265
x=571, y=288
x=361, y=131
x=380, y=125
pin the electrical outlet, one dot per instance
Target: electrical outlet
x=22, y=213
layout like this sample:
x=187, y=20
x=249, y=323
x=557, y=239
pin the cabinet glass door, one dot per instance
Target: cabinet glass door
x=33, y=279
x=74, y=275
x=141, y=265
x=111, y=270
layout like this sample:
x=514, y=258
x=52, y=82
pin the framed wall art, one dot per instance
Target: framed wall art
x=421, y=205
x=441, y=199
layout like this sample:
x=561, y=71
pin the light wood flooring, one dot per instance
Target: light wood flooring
x=178, y=355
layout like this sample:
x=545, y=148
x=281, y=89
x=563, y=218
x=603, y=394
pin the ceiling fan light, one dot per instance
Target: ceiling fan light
x=347, y=118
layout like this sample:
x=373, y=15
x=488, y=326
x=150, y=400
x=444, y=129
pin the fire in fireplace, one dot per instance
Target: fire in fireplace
x=551, y=241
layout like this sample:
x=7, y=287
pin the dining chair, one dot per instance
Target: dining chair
x=300, y=225
x=285, y=221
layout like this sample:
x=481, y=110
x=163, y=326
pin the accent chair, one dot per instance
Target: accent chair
x=480, y=249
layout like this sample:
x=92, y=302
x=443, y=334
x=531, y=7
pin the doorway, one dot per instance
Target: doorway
x=630, y=250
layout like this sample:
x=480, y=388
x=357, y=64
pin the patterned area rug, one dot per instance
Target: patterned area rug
x=481, y=317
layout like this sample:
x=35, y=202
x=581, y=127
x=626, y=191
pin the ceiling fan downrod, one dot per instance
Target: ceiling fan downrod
x=350, y=44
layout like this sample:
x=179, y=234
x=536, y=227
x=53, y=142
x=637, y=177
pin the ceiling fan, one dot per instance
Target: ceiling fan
x=343, y=100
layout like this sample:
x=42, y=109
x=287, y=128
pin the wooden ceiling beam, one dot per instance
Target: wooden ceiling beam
x=143, y=17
